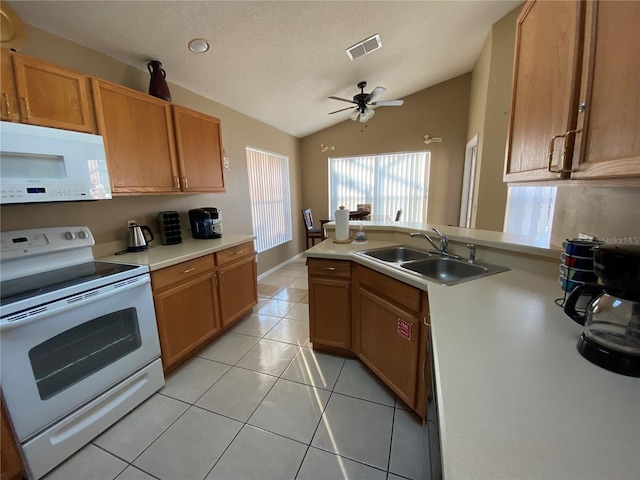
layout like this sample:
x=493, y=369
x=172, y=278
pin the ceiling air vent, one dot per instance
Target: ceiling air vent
x=364, y=47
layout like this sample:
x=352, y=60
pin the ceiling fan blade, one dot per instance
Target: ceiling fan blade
x=342, y=99
x=341, y=110
x=388, y=103
x=375, y=93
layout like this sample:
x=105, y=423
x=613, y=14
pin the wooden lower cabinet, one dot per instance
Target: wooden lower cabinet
x=389, y=339
x=11, y=464
x=238, y=294
x=197, y=300
x=186, y=316
x=330, y=303
x=390, y=333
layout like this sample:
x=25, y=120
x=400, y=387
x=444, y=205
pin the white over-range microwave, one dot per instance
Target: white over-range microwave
x=40, y=164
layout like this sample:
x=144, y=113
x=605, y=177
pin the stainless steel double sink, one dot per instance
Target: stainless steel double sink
x=431, y=266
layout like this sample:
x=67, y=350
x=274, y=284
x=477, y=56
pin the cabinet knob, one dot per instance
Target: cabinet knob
x=185, y=183
x=582, y=107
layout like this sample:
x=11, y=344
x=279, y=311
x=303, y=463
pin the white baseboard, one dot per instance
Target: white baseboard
x=278, y=267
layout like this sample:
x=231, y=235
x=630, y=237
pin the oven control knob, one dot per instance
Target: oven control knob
x=69, y=235
x=82, y=234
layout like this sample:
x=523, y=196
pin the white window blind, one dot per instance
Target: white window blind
x=388, y=182
x=530, y=211
x=270, y=198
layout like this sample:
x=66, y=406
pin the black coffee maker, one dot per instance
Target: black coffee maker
x=611, y=337
x=205, y=222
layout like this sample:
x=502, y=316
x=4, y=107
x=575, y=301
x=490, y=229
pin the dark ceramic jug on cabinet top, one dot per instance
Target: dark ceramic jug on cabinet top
x=158, y=85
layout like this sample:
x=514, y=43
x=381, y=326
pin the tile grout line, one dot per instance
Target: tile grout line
x=319, y=422
x=246, y=422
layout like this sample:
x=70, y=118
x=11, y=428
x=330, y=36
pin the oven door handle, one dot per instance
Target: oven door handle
x=74, y=301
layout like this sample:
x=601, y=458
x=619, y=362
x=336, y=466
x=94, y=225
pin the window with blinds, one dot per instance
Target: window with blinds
x=389, y=182
x=270, y=198
x=530, y=212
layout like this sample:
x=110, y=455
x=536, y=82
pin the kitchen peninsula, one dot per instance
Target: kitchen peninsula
x=515, y=398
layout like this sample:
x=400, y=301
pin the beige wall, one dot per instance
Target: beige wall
x=440, y=111
x=488, y=118
x=106, y=218
x=477, y=110
x=611, y=214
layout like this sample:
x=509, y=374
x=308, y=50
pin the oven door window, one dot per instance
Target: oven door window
x=67, y=358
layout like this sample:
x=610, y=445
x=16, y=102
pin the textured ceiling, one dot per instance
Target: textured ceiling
x=278, y=62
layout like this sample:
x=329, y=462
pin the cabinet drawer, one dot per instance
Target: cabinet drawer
x=181, y=271
x=234, y=253
x=399, y=293
x=329, y=267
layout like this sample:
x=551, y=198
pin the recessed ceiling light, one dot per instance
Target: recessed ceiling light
x=199, y=45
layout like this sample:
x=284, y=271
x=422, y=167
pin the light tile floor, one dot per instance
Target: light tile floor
x=259, y=403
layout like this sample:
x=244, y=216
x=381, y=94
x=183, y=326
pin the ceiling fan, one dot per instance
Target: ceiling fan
x=363, y=100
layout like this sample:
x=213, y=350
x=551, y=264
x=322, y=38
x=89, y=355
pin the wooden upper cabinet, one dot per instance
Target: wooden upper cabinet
x=52, y=96
x=548, y=60
x=609, y=146
x=199, y=146
x=9, y=106
x=139, y=139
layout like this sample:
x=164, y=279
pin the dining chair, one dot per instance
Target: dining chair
x=312, y=232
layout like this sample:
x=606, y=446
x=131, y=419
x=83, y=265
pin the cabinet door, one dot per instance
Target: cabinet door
x=609, y=146
x=139, y=140
x=9, y=107
x=52, y=96
x=186, y=316
x=199, y=145
x=389, y=340
x=238, y=287
x=330, y=311
x=548, y=60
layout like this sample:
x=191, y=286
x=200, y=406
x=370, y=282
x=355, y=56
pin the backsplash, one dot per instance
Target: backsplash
x=107, y=218
x=611, y=214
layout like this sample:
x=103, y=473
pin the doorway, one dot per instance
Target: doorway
x=468, y=183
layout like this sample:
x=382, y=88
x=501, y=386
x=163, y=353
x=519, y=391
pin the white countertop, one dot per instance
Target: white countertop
x=161, y=256
x=502, y=240
x=515, y=398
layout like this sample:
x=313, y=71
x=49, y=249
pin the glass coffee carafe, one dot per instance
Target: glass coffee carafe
x=611, y=337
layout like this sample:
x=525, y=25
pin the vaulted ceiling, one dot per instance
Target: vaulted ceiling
x=278, y=61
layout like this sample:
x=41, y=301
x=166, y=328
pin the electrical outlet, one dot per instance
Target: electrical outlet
x=131, y=222
x=585, y=236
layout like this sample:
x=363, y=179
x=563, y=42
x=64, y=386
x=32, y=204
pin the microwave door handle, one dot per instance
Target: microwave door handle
x=8, y=325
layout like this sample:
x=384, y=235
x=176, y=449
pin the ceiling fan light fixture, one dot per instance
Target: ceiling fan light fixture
x=367, y=114
x=354, y=115
x=199, y=45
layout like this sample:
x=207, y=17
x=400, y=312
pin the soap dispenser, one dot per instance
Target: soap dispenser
x=360, y=235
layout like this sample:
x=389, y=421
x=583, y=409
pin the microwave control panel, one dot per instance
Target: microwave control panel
x=42, y=193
